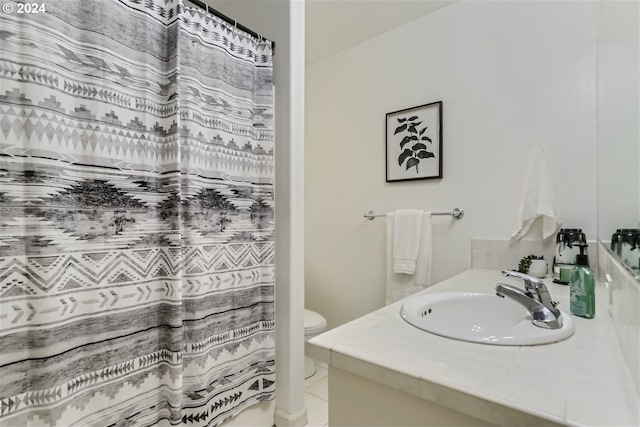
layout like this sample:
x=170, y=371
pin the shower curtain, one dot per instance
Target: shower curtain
x=136, y=216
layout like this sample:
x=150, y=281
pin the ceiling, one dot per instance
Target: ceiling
x=334, y=25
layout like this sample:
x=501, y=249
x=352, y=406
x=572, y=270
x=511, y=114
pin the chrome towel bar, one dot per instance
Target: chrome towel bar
x=457, y=213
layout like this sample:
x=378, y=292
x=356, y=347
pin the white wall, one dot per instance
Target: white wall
x=283, y=22
x=509, y=73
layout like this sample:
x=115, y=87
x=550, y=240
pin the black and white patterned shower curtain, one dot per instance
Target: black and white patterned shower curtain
x=136, y=216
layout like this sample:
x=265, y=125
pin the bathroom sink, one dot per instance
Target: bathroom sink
x=479, y=318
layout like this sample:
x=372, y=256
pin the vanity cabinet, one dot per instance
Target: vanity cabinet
x=357, y=401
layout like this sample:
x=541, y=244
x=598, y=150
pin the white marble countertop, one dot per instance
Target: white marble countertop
x=583, y=380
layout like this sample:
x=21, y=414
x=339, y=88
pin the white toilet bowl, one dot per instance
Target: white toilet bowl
x=314, y=324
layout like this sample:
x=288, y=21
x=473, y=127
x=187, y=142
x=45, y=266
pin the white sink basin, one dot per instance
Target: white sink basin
x=480, y=318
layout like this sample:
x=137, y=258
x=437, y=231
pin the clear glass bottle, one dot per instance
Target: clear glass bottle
x=582, y=289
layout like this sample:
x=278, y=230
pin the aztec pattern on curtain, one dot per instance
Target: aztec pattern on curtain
x=136, y=216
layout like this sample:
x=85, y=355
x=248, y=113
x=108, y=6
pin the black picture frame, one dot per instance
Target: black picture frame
x=414, y=143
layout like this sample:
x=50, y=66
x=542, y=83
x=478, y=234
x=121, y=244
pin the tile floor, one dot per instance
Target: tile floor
x=316, y=390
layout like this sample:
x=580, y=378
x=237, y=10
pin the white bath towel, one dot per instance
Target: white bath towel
x=537, y=198
x=406, y=238
x=401, y=285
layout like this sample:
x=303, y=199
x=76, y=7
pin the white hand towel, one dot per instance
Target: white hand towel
x=401, y=285
x=406, y=238
x=537, y=198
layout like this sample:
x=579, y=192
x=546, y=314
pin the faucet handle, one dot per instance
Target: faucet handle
x=536, y=289
x=530, y=282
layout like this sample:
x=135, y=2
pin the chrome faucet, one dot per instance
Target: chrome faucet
x=535, y=298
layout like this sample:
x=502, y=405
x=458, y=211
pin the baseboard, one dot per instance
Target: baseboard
x=284, y=419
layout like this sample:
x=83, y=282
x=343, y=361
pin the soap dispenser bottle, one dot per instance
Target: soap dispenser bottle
x=582, y=288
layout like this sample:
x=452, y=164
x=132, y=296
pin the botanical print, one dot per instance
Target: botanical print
x=415, y=149
x=414, y=143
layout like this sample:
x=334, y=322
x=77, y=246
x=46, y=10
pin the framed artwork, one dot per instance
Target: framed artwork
x=414, y=143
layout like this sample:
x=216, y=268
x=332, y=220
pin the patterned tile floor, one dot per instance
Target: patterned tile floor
x=316, y=396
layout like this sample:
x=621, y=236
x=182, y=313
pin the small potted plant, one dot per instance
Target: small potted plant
x=534, y=265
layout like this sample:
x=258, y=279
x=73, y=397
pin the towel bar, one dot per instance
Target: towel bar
x=457, y=213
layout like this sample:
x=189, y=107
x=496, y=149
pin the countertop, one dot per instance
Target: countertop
x=582, y=380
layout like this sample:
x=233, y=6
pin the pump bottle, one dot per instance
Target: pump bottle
x=582, y=288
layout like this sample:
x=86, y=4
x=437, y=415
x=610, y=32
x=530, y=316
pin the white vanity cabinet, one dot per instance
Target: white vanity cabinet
x=358, y=401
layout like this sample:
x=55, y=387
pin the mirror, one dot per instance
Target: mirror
x=618, y=173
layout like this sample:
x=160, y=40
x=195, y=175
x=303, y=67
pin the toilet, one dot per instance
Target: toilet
x=314, y=324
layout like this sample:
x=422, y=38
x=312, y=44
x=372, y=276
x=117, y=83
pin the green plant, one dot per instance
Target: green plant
x=525, y=263
x=414, y=138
